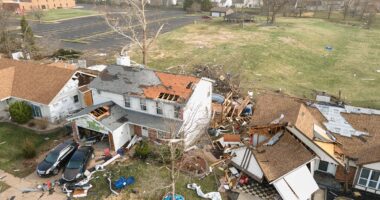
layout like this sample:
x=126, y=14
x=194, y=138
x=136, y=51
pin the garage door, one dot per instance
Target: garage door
x=298, y=185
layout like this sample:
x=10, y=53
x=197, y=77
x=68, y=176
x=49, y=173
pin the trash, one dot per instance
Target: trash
x=217, y=98
x=27, y=190
x=123, y=182
x=47, y=138
x=16, y=170
x=110, y=184
x=210, y=195
x=169, y=196
x=329, y=48
x=3, y=177
x=3, y=142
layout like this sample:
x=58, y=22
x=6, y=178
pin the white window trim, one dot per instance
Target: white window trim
x=368, y=179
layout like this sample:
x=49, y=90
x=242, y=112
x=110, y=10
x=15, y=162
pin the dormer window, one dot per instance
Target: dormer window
x=142, y=104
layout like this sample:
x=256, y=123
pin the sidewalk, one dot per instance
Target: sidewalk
x=18, y=184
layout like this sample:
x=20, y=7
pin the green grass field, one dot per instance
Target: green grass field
x=60, y=14
x=290, y=57
x=150, y=180
x=12, y=138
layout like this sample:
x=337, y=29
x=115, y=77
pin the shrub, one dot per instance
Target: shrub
x=28, y=149
x=142, y=150
x=20, y=112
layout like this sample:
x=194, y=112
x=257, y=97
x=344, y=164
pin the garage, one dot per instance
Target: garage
x=297, y=185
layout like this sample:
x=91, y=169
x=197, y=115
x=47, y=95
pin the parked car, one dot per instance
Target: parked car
x=76, y=166
x=56, y=158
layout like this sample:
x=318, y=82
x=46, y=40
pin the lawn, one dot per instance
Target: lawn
x=59, y=14
x=290, y=57
x=150, y=178
x=12, y=138
x=3, y=186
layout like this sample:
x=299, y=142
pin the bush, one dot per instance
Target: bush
x=28, y=149
x=142, y=150
x=32, y=124
x=20, y=112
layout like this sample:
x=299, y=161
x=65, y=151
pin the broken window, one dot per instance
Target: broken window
x=142, y=104
x=159, y=108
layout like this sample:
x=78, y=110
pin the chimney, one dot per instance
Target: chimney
x=123, y=60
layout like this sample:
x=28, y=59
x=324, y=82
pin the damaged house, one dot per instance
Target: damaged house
x=53, y=92
x=282, y=161
x=130, y=99
x=345, y=139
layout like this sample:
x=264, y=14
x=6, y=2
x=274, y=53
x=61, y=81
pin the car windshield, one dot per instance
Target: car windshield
x=51, y=157
x=74, y=164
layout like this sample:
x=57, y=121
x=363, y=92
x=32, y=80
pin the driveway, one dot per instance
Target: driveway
x=18, y=184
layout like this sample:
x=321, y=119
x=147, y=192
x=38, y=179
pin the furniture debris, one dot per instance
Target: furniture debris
x=124, y=182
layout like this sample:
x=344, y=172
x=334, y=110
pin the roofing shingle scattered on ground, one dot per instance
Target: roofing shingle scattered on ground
x=284, y=156
x=31, y=81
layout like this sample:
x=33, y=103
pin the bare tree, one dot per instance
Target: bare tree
x=132, y=24
x=274, y=6
x=38, y=14
x=8, y=42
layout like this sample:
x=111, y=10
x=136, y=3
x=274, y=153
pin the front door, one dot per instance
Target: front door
x=145, y=132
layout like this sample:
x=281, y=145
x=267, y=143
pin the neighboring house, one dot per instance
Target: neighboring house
x=346, y=139
x=27, y=5
x=281, y=161
x=133, y=100
x=220, y=11
x=52, y=92
x=239, y=3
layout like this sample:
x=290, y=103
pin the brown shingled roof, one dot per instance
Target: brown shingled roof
x=173, y=84
x=284, y=156
x=31, y=81
x=366, y=150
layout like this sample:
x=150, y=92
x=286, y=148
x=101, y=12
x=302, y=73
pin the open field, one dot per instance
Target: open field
x=290, y=57
x=60, y=14
x=12, y=138
x=150, y=182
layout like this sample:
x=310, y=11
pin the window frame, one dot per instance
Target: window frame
x=177, y=110
x=368, y=179
x=76, y=98
x=127, y=101
x=159, y=107
x=327, y=166
x=143, y=104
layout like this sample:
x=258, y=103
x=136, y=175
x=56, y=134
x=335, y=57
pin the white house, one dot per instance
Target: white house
x=52, y=92
x=134, y=100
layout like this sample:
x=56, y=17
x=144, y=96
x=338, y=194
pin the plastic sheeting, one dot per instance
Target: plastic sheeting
x=210, y=195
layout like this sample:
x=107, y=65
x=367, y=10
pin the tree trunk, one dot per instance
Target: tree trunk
x=330, y=10
x=172, y=157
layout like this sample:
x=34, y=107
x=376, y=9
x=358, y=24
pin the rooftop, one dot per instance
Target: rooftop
x=282, y=157
x=116, y=116
x=20, y=79
x=144, y=82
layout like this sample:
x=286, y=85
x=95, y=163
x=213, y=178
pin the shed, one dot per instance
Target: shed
x=220, y=11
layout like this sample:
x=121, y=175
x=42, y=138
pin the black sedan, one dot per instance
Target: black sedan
x=77, y=165
x=56, y=158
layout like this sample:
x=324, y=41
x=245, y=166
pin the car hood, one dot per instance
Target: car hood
x=43, y=166
x=70, y=174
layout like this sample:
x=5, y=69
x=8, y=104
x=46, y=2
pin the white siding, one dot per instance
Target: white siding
x=121, y=136
x=102, y=96
x=253, y=165
x=331, y=168
x=197, y=112
x=375, y=166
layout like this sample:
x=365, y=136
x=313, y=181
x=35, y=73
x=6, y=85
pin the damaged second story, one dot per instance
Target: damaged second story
x=131, y=99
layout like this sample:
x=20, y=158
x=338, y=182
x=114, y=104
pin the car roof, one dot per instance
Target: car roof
x=61, y=146
x=80, y=153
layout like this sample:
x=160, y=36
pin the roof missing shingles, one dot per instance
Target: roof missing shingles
x=145, y=82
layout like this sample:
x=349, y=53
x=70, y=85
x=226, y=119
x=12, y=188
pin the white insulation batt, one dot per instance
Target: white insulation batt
x=298, y=185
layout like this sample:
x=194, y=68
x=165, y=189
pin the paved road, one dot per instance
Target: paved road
x=96, y=36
